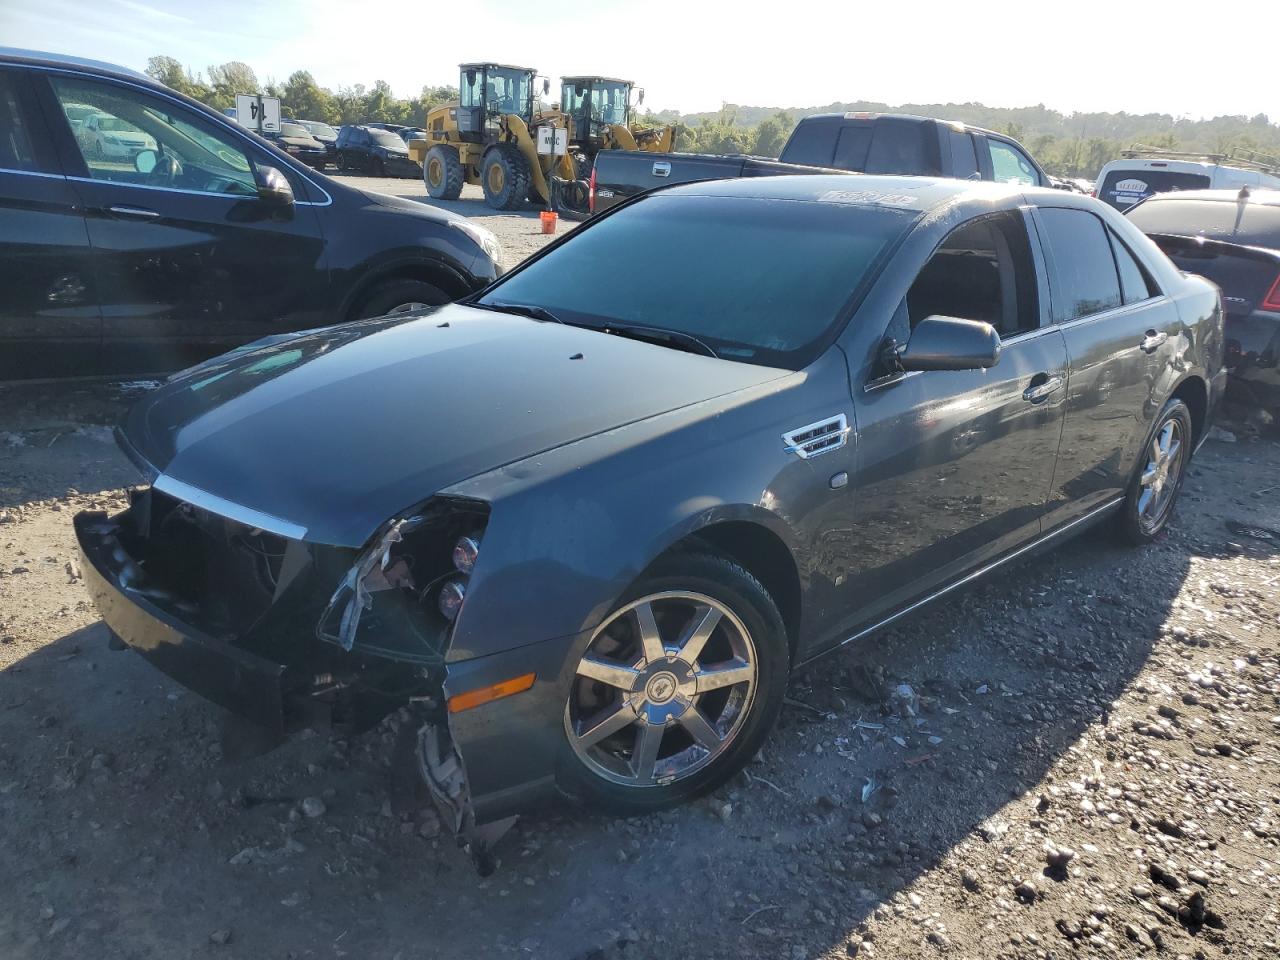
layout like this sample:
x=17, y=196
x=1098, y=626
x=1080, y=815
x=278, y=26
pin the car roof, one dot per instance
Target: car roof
x=1259, y=195
x=62, y=60
x=905, y=193
x=593, y=76
x=873, y=115
x=500, y=66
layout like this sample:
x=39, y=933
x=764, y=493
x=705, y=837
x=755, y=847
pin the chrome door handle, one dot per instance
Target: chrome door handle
x=134, y=213
x=1153, y=340
x=662, y=169
x=1042, y=390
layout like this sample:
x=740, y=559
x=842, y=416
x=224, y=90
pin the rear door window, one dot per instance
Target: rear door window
x=964, y=157
x=1082, y=269
x=906, y=147
x=1123, y=188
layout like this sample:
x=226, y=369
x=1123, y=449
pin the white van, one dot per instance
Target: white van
x=1122, y=183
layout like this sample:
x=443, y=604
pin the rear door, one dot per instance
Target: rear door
x=188, y=261
x=1122, y=335
x=49, y=320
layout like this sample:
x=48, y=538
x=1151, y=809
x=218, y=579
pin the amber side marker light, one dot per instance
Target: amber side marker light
x=476, y=698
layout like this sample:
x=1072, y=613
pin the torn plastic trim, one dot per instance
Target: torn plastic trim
x=442, y=769
x=367, y=576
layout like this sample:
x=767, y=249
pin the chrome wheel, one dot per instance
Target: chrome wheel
x=662, y=689
x=1159, y=480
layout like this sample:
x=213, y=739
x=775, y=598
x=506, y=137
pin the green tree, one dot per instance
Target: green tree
x=171, y=73
x=228, y=80
x=772, y=133
x=305, y=99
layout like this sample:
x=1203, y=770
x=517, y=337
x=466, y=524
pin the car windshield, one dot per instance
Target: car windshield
x=758, y=280
x=115, y=123
x=385, y=138
x=1253, y=224
x=320, y=129
x=294, y=130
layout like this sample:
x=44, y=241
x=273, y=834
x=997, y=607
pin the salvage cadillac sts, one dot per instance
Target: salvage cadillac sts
x=584, y=524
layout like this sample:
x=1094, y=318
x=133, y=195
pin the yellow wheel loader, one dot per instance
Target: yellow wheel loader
x=489, y=138
x=597, y=112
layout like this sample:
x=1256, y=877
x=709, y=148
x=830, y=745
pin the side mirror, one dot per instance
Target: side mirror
x=640, y=97
x=273, y=187
x=950, y=343
x=546, y=85
x=145, y=161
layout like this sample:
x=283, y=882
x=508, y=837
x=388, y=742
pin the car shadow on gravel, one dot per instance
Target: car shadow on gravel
x=888, y=760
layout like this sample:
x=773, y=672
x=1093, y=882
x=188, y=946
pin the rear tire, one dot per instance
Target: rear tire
x=505, y=176
x=398, y=296
x=698, y=736
x=1157, y=477
x=442, y=173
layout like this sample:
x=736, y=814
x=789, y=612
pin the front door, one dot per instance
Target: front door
x=188, y=261
x=49, y=320
x=954, y=467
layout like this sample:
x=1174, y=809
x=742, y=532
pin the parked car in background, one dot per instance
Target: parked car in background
x=208, y=238
x=1232, y=237
x=873, y=390
x=375, y=151
x=412, y=133
x=297, y=141
x=1141, y=174
x=327, y=136
x=393, y=127
x=857, y=142
x=105, y=137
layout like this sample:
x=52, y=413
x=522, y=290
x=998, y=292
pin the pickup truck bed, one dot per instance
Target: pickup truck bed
x=833, y=143
x=628, y=172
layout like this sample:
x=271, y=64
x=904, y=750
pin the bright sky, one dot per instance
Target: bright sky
x=1167, y=56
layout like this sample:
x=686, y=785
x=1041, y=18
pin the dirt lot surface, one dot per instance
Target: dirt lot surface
x=1077, y=758
x=520, y=232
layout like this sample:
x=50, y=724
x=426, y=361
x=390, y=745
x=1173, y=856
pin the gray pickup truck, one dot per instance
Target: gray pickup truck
x=851, y=142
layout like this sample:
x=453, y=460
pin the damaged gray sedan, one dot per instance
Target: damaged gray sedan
x=585, y=524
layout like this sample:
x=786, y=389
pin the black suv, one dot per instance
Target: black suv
x=204, y=238
x=375, y=151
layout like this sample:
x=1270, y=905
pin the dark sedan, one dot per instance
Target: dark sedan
x=585, y=524
x=206, y=238
x=326, y=135
x=297, y=141
x=1233, y=238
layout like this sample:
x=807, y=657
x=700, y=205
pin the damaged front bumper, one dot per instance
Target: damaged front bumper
x=269, y=662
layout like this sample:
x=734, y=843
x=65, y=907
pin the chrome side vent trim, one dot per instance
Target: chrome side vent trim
x=818, y=438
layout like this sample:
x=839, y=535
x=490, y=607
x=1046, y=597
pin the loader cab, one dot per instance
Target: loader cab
x=594, y=103
x=489, y=91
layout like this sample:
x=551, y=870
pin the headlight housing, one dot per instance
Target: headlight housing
x=485, y=240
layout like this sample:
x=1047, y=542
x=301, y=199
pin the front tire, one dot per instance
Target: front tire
x=1157, y=480
x=677, y=688
x=505, y=177
x=394, y=297
x=442, y=173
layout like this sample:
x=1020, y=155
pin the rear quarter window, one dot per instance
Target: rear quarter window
x=813, y=144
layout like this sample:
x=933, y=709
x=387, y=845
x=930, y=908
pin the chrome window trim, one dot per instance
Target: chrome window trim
x=967, y=578
x=227, y=127
x=1122, y=310
x=181, y=490
x=34, y=173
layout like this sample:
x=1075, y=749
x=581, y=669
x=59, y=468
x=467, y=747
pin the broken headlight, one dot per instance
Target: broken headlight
x=404, y=589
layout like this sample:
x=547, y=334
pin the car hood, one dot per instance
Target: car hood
x=413, y=207
x=335, y=431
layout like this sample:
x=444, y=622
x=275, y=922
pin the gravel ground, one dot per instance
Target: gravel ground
x=520, y=233
x=1078, y=758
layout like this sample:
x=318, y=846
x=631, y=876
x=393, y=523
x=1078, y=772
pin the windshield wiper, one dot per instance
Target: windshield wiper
x=523, y=309
x=663, y=337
